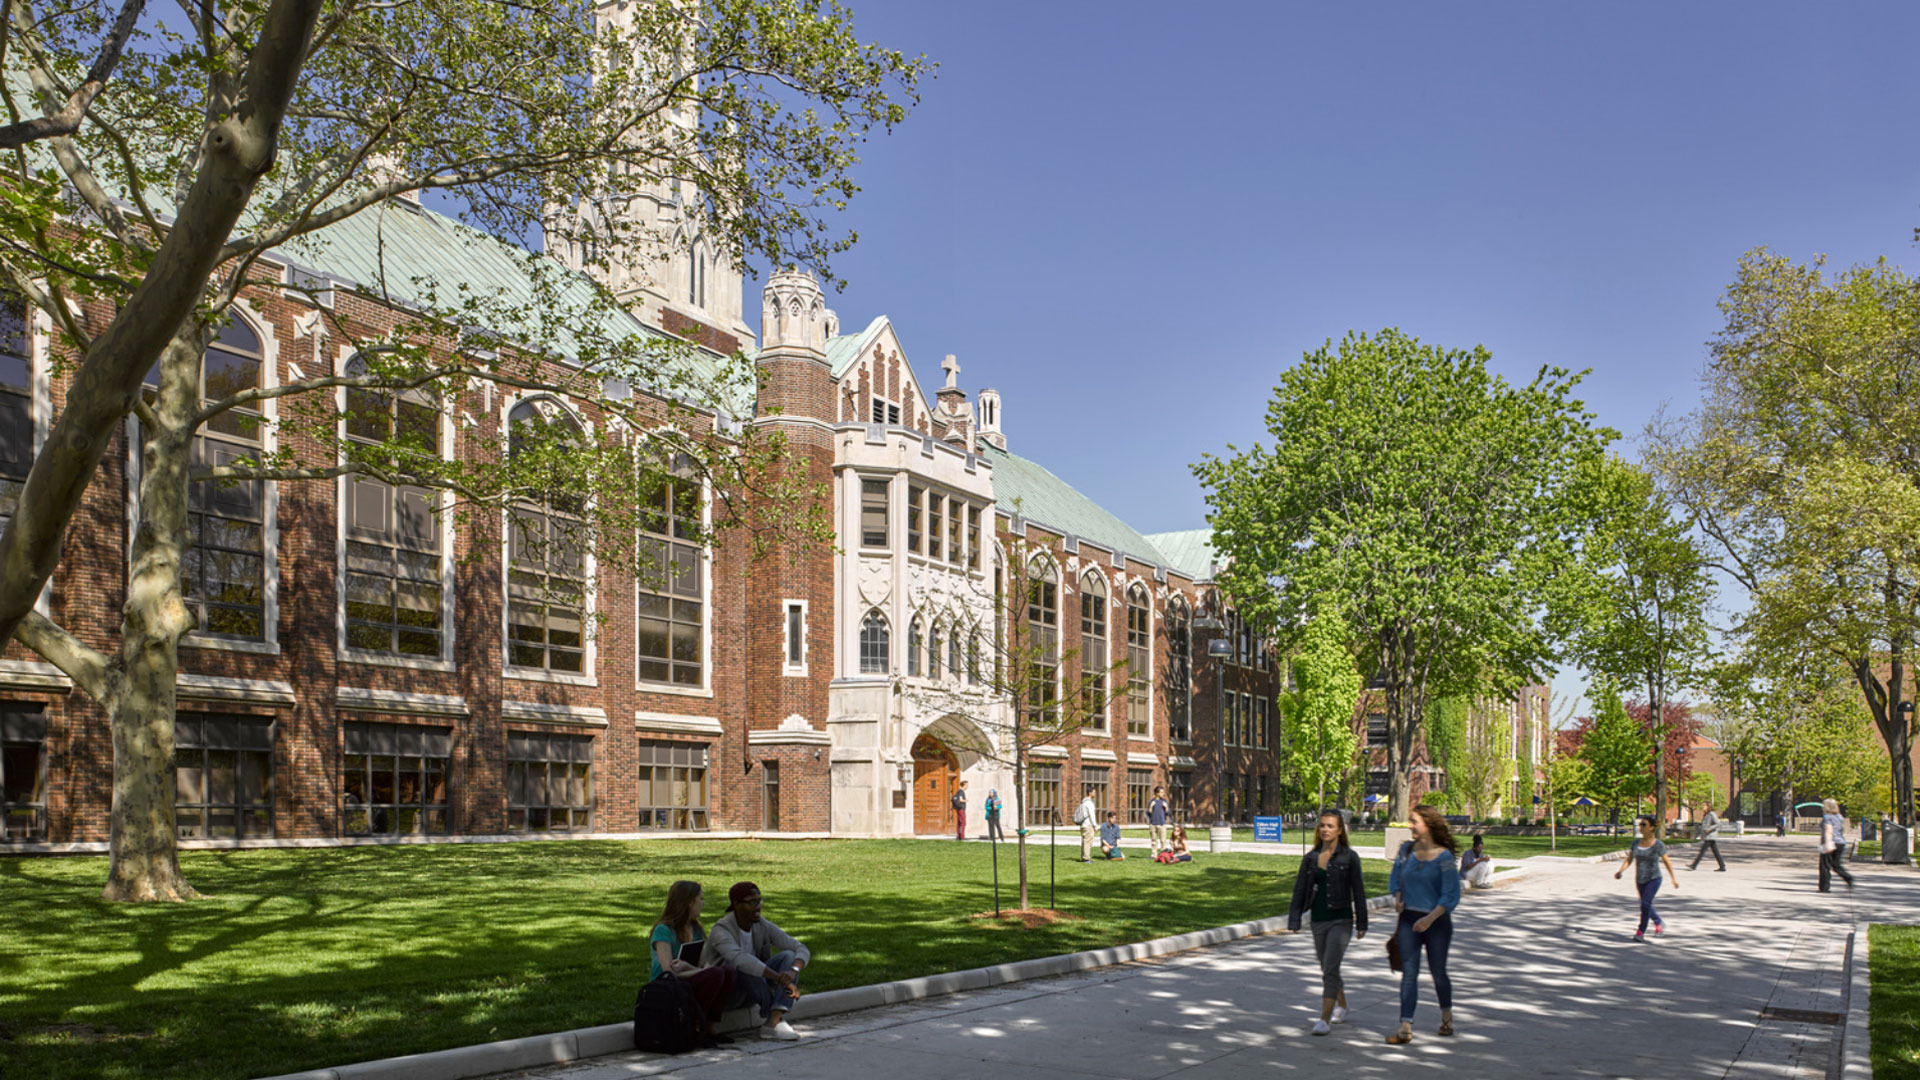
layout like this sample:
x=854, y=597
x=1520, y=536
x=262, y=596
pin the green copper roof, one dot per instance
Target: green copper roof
x=1189, y=551
x=842, y=351
x=1026, y=488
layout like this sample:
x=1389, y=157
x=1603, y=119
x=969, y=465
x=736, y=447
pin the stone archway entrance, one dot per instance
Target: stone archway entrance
x=936, y=771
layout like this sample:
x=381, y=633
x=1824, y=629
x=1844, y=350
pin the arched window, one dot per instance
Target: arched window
x=546, y=549
x=913, y=647
x=1093, y=652
x=953, y=650
x=933, y=651
x=394, y=575
x=874, y=659
x=16, y=404
x=1139, y=661
x=973, y=657
x=1179, y=694
x=671, y=588
x=1043, y=645
x=224, y=576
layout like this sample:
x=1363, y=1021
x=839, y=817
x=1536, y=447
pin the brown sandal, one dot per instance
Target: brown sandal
x=1399, y=1038
x=1446, y=1028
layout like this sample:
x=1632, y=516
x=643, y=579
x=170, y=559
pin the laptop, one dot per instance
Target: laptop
x=690, y=952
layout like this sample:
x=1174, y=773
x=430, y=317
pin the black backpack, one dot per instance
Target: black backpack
x=666, y=1018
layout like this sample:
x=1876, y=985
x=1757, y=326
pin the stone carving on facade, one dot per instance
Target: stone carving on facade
x=875, y=582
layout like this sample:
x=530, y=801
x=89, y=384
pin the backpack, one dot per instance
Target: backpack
x=958, y=802
x=666, y=1017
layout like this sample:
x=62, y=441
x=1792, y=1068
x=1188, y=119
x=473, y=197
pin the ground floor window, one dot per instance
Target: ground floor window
x=770, y=796
x=1230, y=792
x=222, y=776
x=1247, y=803
x=23, y=772
x=673, y=785
x=1139, y=794
x=1180, y=795
x=1043, y=794
x=1094, y=781
x=1266, y=795
x=393, y=779
x=549, y=782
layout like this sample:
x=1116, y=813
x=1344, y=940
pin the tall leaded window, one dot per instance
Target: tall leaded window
x=673, y=785
x=956, y=511
x=1246, y=719
x=1043, y=646
x=936, y=504
x=394, y=584
x=1139, y=794
x=1179, y=695
x=1093, y=651
x=671, y=590
x=873, y=513
x=393, y=779
x=973, y=538
x=23, y=772
x=16, y=405
x=1139, y=661
x=1262, y=712
x=223, y=575
x=222, y=775
x=1043, y=794
x=549, y=782
x=874, y=659
x=546, y=554
x=915, y=497
x=1180, y=794
x=914, y=638
x=1229, y=718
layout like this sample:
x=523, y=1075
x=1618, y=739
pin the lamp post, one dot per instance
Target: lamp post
x=1220, y=836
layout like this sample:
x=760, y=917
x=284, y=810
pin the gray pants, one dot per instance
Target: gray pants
x=1330, y=940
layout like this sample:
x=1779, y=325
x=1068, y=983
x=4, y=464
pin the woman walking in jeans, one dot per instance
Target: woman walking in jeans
x=1426, y=888
x=1648, y=854
x=1330, y=884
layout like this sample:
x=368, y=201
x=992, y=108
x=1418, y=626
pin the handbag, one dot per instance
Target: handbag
x=1393, y=950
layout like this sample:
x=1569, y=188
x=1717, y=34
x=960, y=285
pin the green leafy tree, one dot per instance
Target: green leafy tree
x=1321, y=741
x=1525, y=769
x=1801, y=730
x=140, y=208
x=1618, y=754
x=1481, y=769
x=1702, y=791
x=1446, y=743
x=1427, y=492
x=1802, y=467
x=1633, y=607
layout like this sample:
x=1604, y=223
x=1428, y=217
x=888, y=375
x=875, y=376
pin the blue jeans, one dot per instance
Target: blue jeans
x=765, y=996
x=1647, y=889
x=1437, y=939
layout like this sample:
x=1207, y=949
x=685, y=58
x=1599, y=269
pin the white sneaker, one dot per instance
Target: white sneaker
x=1339, y=1014
x=1320, y=1027
x=780, y=1032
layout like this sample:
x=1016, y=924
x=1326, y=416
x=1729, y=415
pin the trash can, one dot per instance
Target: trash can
x=1868, y=831
x=1897, y=845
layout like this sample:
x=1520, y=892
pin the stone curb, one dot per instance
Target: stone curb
x=1856, y=1037
x=533, y=1051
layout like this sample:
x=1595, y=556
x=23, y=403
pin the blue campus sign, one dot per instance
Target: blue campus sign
x=1266, y=828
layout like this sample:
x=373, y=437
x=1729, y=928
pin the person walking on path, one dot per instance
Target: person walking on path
x=1087, y=817
x=1157, y=815
x=959, y=802
x=1709, y=840
x=992, y=809
x=1833, y=846
x=1330, y=884
x=1647, y=855
x=1425, y=884
x=1780, y=824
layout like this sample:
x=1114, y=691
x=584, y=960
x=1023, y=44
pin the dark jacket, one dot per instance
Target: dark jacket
x=1345, y=887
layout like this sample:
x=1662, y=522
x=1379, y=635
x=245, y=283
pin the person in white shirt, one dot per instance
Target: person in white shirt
x=768, y=959
x=1087, y=816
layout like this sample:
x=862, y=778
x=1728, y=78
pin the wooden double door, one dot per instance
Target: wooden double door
x=936, y=772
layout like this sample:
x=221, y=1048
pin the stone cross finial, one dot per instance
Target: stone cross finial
x=952, y=367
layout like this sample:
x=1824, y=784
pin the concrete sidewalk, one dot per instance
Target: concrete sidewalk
x=1547, y=983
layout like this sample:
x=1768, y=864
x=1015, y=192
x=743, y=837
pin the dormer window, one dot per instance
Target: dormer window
x=885, y=412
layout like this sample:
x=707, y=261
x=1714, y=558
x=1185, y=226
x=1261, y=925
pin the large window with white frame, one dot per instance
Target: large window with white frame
x=393, y=779
x=873, y=513
x=223, y=775
x=874, y=645
x=1043, y=644
x=17, y=431
x=395, y=549
x=546, y=555
x=673, y=785
x=670, y=631
x=1139, y=661
x=223, y=574
x=1179, y=685
x=1093, y=651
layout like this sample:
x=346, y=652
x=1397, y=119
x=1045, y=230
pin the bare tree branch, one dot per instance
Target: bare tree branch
x=66, y=119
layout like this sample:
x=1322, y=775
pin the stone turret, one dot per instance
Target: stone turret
x=954, y=412
x=990, y=419
x=795, y=324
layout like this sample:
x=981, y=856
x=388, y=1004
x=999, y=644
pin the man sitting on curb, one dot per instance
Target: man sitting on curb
x=769, y=979
x=1110, y=838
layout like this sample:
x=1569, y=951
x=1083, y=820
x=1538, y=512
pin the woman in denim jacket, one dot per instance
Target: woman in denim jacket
x=1426, y=888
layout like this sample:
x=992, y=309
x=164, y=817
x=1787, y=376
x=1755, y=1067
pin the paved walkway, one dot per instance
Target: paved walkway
x=1547, y=983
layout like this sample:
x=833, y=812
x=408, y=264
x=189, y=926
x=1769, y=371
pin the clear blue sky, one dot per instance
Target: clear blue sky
x=1130, y=217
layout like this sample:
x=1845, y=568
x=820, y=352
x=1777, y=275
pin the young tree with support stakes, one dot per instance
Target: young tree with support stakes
x=1802, y=469
x=1426, y=491
x=1033, y=689
x=226, y=139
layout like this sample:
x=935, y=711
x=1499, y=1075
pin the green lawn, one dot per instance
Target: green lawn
x=306, y=958
x=1894, y=956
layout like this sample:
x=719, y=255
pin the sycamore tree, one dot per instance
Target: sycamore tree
x=1618, y=754
x=1026, y=685
x=162, y=169
x=1633, y=606
x=1802, y=468
x=1429, y=493
x=1317, y=715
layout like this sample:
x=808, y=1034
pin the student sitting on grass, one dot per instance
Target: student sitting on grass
x=1110, y=838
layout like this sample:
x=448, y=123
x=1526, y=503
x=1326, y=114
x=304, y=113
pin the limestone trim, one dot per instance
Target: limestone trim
x=1047, y=752
x=671, y=724
x=1091, y=754
x=362, y=699
x=541, y=712
x=33, y=675
x=220, y=688
x=1181, y=761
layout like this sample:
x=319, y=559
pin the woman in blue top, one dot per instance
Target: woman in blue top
x=1425, y=884
x=1648, y=854
x=679, y=926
